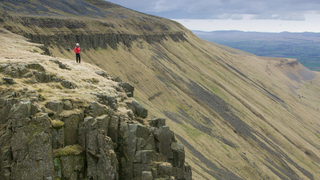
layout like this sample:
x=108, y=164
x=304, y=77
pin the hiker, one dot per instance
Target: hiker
x=77, y=51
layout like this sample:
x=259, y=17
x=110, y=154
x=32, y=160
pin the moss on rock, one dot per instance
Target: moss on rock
x=68, y=150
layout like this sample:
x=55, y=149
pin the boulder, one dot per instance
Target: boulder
x=3, y=66
x=69, y=162
x=138, y=168
x=71, y=119
x=146, y=175
x=67, y=105
x=107, y=100
x=8, y=80
x=55, y=61
x=96, y=109
x=164, y=137
x=137, y=109
x=35, y=108
x=68, y=84
x=5, y=107
x=41, y=120
x=16, y=70
x=129, y=142
x=146, y=144
x=178, y=154
x=101, y=73
x=55, y=106
x=5, y=157
x=44, y=77
x=164, y=170
x=61, y=65
x=103, y=123
x=157, y=122
x=72, y=166
x=21, y=110
x=35, y=66
x=148, y=156
x=28, y=75
x=113, y=129
x=187, y=172
x=100, y=156
x=58, y=138
x=127, y=88
x=117, y=79
x=31, y=148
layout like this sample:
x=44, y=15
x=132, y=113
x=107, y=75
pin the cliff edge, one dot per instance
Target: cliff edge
x=62, y=120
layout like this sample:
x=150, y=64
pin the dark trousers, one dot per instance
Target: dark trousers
x=78, y=58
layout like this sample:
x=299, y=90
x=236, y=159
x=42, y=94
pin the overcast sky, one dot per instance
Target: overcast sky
x=246, y=15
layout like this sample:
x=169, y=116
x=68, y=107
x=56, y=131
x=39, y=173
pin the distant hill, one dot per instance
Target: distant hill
x=302, y=46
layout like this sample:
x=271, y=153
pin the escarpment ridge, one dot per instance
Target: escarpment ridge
x=239, y=116
x=111, y=25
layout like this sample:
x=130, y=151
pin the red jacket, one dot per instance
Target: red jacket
x=77, y=50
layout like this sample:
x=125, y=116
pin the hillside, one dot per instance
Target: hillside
x=239, y=116
x=63, y=120
x=302, y=46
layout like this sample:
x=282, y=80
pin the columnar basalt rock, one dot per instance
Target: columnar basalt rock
x=64, y=139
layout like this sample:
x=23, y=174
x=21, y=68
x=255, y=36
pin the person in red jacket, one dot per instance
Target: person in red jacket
x=77, y=51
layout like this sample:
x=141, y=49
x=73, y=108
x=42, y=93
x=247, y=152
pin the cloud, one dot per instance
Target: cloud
x=292, y=10
x=285, y=17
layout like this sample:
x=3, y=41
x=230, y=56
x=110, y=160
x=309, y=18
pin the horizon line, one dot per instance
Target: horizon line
x=254, y=31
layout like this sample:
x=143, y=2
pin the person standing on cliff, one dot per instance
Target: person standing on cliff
x=77, y=51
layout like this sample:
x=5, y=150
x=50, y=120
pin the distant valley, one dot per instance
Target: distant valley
x=302, y=46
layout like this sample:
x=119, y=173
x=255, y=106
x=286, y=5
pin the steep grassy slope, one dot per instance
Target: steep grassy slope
x=239, y=116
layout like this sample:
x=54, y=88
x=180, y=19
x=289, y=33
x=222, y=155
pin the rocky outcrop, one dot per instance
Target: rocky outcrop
x=61, y=65
x=65, y=32
x=137, y=109
x=32, y=73
x=76, y=139
x=98, y=40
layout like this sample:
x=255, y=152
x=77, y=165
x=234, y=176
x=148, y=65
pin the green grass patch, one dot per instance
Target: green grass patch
x=195, y=133
x=317, y=135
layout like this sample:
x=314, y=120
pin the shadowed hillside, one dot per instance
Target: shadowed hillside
x=239, y=116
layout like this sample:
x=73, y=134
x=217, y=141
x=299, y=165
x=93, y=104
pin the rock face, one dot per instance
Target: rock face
x=64, y=139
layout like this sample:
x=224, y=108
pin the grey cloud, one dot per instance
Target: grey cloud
x=287, y=17
x=224, y=9
x=236, y=17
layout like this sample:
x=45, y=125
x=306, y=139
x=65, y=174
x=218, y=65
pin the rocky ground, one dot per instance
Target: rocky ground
x=63, y=120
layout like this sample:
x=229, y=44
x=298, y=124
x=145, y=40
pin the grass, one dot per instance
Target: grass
x=194, y=133
x=317, y=135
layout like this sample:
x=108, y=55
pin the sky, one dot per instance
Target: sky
x=244, y=15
